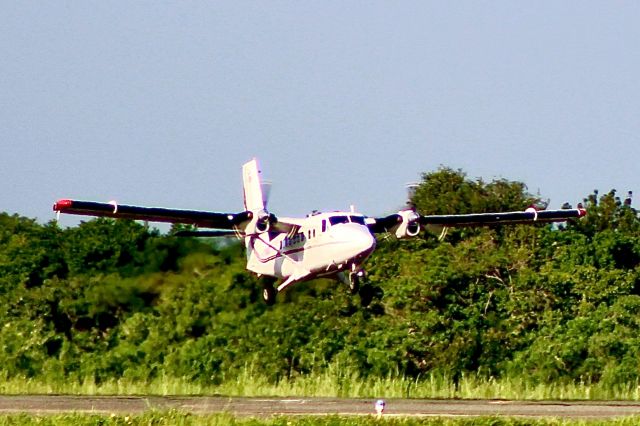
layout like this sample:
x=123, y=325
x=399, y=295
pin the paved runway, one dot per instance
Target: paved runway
x=39, y=404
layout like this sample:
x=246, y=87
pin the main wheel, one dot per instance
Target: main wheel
x=269, y=294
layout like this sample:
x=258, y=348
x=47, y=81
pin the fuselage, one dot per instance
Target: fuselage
x=324, y=244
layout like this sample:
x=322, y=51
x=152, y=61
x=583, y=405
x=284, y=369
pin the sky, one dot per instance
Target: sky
x=343, y=102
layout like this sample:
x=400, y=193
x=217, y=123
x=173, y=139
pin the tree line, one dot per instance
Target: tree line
x=115, y=299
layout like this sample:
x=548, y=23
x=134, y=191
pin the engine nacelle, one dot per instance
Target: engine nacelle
x=262, y=225
x=409, y=226
x=259, y=223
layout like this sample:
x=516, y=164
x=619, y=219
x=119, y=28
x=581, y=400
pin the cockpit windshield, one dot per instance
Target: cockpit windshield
x=335, y=220
x=357, y=219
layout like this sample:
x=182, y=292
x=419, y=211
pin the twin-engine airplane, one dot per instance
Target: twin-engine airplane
x=292, y=250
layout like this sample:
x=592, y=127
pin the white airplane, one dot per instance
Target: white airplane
x=293, y=250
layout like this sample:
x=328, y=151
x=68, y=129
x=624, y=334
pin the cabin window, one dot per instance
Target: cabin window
x=296, y=239
x=324, y=225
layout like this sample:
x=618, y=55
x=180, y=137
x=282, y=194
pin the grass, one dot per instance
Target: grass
x=332, y=383
x=183, y=419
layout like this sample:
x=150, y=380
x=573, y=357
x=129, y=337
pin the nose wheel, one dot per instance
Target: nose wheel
x=355, y=281
x=367, y=293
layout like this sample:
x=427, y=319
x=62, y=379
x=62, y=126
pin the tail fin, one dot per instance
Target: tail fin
x=254, y=199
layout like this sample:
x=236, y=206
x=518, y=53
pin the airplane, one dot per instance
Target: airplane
x=322, y=244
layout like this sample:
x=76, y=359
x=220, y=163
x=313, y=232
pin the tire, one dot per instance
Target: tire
x=354, y=283
x=269, y=295
x=366, y=295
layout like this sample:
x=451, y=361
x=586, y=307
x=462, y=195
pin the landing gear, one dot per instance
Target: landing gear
x=355, y=278
x=269, y=295
x=268, y=291
x=357, y=282
x=366, y=295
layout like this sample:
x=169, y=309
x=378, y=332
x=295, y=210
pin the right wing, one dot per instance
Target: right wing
x=407, y=223
x=153, y=214
x=510, y=218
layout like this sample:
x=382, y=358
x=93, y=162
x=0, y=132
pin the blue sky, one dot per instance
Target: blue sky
x=159, y=103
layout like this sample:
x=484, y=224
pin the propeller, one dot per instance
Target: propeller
x=412, y=187
x=265, y=185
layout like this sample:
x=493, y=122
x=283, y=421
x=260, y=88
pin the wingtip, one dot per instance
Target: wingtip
x=62, y=204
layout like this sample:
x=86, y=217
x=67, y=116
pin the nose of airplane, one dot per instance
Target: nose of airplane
x=355, y=240
x=365, y=242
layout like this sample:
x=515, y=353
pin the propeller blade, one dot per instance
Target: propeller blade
x=265, y=185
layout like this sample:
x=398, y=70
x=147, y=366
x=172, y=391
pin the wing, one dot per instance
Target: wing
x=153, y=214
x=407, y=223
x=485, y=219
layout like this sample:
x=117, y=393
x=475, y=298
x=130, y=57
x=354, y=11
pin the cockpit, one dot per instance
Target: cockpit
x=335, y=220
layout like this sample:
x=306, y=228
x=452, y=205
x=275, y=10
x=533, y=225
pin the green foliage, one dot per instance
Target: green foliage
x=448, y=191
x=111, y=301
x=186, y=419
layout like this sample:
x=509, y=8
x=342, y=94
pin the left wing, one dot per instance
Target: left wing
x=228, y=224
x=153, y=214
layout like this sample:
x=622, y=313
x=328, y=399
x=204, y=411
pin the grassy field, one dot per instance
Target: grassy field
x=331, y=384
x=181, y=419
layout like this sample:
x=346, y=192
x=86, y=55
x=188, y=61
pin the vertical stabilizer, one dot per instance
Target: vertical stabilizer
x=253, y=197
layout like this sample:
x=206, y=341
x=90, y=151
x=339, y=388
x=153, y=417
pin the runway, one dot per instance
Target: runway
x=261, y=407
